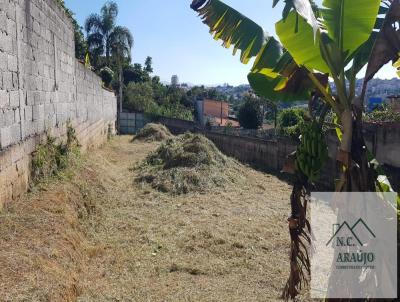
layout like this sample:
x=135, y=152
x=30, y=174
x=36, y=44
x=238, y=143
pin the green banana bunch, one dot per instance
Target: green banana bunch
x=312, y=152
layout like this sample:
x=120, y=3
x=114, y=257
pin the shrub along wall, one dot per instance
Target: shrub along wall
x=42, y=87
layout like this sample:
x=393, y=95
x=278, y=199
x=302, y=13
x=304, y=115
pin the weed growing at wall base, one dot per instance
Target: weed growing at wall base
x=110, y=132
x=51, y=157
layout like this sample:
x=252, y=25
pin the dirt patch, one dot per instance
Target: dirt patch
x=94, y=234
x=188, y=163
x=153, y=133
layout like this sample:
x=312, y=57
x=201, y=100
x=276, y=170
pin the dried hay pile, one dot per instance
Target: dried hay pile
x=153, y=133
x=188, y=163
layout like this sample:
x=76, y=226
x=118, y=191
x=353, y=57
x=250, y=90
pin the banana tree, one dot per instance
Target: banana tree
x=315, y=44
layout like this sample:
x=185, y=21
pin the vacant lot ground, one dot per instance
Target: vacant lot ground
x=96, y=235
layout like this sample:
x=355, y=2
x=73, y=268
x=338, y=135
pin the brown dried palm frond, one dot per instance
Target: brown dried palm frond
x=300, y=236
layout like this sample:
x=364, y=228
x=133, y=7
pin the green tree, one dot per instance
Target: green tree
x=176, y=95
x=197, y=93
x=107, y=76
x=103, y=33
x=250, y=113
x=135, y=74
x=139, y=97
x=80, y=42
x=290, y=121
x=175, y=110
x=160, y=91
x=271, y=112
x=148, y=65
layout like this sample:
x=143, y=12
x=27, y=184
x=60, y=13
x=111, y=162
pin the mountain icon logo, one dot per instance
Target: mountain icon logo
x=346, y=225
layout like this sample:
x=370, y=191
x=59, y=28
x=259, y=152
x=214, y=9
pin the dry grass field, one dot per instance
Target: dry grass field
x=94, y=234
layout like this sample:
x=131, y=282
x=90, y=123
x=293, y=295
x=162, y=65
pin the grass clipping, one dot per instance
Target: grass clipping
x=187, y=163
x=153, y=133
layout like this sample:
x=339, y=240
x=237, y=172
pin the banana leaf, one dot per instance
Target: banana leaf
x=298, y=38
x=387, y=45
x=274, y=67
x=349, y=23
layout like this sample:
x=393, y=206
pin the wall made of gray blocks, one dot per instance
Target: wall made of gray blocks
x=42, y=85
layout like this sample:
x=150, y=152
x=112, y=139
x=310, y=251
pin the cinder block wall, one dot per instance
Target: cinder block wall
x=42, y=86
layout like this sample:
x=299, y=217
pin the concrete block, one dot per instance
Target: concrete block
x=3, y=61
x=39, y=83
x=30, y=145
x=12, y=63
x=11, y=28
x=50, y=122
x=15, y=133
x=15, y=80
x=36, y=27
x=38, y=112
x=29, y=128
x=5, y=137
x=17, y=153
x=4, y=99
x=3, y=18
x=17, y=116
x=11, y=12
x=8, y=81
x=22, y=165
x=5, y=160
x=19, y=186
x=5, y=193
x=6, y=44
x=8, y=116
x=28, y=114
x=14, y=98
x=39, y=126
x=30, y=98
x=49, y=109
x=38, y=98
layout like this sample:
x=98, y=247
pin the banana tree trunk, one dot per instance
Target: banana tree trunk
x=356, y=175
x=300, y=240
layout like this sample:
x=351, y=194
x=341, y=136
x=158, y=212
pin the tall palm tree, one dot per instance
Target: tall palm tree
x=121, y=43
x=104, y=37
x=103, y=33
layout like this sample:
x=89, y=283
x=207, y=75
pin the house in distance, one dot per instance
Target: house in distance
x=215, y=113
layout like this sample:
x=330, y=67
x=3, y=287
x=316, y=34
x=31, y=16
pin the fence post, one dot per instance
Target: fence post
x=135, y=122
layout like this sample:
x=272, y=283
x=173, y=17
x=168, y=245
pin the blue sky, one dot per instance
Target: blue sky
x=171, y=33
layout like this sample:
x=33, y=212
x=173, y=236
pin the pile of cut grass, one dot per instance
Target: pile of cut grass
x=187, y=163
x=153, y=133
